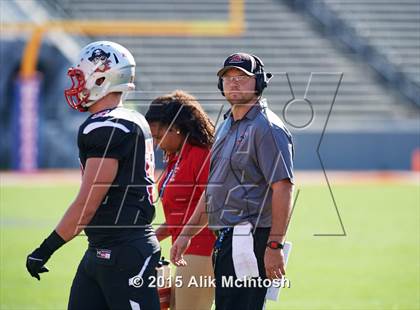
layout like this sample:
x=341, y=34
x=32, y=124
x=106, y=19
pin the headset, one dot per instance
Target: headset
x=261, y=77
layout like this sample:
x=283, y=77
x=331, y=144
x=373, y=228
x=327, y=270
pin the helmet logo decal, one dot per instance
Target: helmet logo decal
x=116, y=59
x=100, y=58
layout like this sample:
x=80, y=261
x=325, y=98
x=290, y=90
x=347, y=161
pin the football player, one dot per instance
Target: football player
x=114, y=205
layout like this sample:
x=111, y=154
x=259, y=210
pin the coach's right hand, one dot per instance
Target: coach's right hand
x=178, y=249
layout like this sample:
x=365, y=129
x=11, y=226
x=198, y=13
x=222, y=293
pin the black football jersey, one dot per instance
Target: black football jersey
x=127, y=210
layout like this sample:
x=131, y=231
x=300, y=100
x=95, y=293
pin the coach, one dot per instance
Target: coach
x=249, y=190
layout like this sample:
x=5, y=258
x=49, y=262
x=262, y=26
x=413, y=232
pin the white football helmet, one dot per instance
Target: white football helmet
x=102, y=67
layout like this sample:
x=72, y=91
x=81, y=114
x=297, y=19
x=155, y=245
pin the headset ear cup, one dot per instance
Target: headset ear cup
x=260, y=76
x=257, y=84
x=260, y=83
x=220, y=86
x=264, y=82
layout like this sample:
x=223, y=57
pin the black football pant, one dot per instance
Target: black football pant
x=115, y=279
x=241, y=298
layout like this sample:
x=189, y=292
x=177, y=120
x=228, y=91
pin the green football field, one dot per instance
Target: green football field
x=376, y=266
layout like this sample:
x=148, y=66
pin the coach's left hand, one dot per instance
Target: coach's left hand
x=274, y=263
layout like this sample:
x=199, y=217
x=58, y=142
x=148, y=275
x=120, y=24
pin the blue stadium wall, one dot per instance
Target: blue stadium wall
x=356, y=151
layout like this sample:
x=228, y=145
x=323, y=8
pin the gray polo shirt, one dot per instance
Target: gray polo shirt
x=248, y=155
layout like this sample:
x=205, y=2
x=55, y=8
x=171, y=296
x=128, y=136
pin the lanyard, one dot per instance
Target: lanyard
x=168, y=177
x=171, y=173
x=219, y=241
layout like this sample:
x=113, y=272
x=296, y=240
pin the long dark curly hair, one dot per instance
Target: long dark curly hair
x=181, y=109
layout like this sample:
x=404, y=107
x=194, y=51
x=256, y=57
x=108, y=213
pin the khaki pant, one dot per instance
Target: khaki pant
x=189, y=298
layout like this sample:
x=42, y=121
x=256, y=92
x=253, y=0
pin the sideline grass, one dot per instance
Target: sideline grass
x=376, y=266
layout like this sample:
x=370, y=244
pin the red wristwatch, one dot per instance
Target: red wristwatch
x=275, y=245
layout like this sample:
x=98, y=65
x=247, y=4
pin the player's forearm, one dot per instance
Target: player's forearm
x=97, y=179
x=198, y=219
x=281, y=210
x=74, y=220
x=82, y=210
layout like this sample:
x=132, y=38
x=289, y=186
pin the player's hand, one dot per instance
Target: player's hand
x=178, y=249
x=35, y=263
x=274, y=263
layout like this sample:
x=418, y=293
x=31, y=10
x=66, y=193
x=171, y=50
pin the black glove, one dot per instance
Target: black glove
x=36, y=260
x=35, y=263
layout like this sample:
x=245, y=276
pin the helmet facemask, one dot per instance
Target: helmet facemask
x=77, y=94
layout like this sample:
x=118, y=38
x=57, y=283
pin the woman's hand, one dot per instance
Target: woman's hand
x=178, y=249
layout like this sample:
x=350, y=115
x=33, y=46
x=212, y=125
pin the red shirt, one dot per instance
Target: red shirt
x=189, y=173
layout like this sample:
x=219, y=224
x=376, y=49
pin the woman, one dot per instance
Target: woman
x=182, y=129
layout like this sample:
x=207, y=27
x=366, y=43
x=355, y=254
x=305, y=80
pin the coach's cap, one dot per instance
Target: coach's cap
x=241, y=61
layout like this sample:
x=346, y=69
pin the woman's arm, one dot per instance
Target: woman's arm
x=194, y=226
x=162, y=232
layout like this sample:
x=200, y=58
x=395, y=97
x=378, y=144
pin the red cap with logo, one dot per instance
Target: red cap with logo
x=242, y=61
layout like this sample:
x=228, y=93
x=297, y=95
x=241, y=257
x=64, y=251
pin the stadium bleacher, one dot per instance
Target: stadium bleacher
x=283, y=38
x=292, y=44
x=393, y=26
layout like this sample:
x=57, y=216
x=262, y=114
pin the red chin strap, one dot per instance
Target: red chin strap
x=77, y=95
